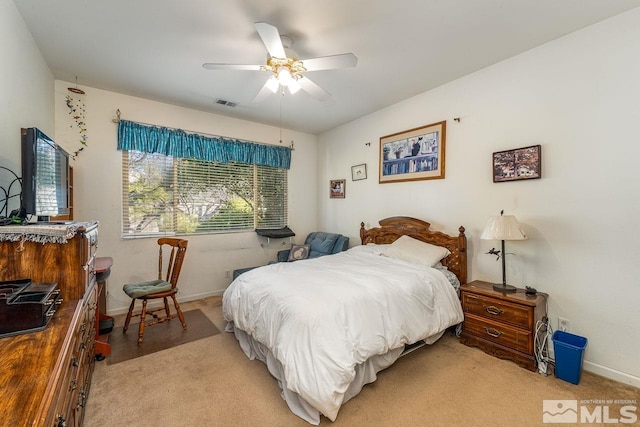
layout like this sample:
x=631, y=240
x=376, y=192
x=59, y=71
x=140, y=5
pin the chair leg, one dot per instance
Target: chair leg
x=166, y=308
x=180, y=315
x=142, y=317
x=128, y=319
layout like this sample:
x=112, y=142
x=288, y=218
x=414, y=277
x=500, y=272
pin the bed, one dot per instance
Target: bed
x=325, y=326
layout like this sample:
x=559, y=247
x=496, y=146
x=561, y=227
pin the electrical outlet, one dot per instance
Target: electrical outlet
x=227, y=274
x=563, y=324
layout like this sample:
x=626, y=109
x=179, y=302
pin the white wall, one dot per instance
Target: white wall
x=98, y=190
x=26, y=92
x=578, y=98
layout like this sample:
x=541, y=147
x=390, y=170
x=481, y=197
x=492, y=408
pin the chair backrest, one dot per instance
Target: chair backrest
x=322, y=243
x=178, y=250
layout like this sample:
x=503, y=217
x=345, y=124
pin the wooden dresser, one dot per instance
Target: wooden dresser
x=501, y=324
x=45, y=376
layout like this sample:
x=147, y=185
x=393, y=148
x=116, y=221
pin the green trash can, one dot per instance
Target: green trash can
x=569, y=353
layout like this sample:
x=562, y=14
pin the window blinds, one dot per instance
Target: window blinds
x=168, y=195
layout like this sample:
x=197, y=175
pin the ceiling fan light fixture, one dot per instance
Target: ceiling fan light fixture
x=284, y=76
x=293, y=87
x=284, y=67
x=273, y=84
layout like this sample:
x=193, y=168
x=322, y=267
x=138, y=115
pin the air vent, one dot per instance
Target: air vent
x=226, y=103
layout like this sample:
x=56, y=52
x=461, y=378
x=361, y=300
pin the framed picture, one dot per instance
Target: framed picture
x=517, y=164
x=413, y=154
x=359, y=172
x=337, y=188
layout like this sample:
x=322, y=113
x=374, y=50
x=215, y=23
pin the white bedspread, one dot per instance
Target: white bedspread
x=322, y=317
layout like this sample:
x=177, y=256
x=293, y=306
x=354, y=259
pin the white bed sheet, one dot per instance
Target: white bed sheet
x=322, y=318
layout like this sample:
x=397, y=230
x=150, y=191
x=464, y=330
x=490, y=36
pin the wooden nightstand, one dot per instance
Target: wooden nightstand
x=501, y=324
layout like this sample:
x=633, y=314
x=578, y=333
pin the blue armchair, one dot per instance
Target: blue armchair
x=320, y=244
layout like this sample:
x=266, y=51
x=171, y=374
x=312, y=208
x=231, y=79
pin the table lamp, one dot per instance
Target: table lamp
x=503, y=227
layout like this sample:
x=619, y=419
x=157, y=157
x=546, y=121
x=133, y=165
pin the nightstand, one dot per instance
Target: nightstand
x=502, y=324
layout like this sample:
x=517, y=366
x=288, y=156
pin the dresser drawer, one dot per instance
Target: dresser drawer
x=61, y=404
x=501, y=311
x=501, y=333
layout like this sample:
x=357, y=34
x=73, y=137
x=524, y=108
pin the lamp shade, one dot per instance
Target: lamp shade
x=503, y=227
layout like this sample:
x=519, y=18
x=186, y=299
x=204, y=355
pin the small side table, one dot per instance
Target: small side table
x=502, y=324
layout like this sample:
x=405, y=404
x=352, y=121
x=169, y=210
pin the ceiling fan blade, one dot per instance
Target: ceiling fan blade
x=271, y=39
x=219, y=66
x=313, y=89
x=344, y=60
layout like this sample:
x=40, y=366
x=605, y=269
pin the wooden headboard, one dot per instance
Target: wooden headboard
x=392, y=228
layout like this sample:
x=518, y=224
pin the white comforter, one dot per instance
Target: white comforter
x=321, y=317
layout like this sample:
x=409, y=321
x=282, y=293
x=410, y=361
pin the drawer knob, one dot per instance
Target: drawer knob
x=491, y=309
x=493, y=332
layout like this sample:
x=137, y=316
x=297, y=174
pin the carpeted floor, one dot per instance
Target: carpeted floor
x=210, y=382
x=124, y=346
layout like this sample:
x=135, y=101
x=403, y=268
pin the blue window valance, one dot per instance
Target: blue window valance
x=181, y=144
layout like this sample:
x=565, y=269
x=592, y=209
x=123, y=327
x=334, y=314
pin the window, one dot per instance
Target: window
x=168, y=195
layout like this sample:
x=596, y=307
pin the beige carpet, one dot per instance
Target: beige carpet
x=124, y=346
x=210, y=382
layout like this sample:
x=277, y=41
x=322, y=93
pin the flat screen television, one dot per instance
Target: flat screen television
x=45, y=176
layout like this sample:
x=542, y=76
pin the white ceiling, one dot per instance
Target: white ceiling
x=155, y=48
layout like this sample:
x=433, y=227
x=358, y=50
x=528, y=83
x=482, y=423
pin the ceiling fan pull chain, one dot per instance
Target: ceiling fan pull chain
x=281, y=115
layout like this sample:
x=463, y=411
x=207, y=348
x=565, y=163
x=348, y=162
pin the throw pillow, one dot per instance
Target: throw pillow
x=298, y=252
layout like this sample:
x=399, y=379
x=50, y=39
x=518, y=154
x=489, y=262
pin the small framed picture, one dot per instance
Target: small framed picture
x=359, y=172
x=517, y=164
x=337, y=188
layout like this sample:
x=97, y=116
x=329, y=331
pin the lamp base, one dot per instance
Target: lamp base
x=504, y=288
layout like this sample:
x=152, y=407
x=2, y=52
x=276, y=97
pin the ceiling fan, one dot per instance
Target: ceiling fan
x=285, y=68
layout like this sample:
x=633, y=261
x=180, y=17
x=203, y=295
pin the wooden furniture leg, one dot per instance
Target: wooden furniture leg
x=103, y=269
x=142, y=317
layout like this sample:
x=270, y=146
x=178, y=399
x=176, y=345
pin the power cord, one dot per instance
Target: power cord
x=16, y=217
x=7, y=218
x=543, y=334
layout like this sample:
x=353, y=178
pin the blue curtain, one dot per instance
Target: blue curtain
x=180, y=144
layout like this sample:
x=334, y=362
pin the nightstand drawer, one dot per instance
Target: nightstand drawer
x=501, y=311
x=500, y=333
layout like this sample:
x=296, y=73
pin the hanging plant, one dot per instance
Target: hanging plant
x=76, y=106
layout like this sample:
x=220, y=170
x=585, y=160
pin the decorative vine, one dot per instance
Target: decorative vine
x=77, y=108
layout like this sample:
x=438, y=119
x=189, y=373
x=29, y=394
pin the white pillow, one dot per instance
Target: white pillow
x=416, y=252
x=370, y=248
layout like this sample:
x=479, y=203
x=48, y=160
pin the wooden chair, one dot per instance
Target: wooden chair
x=158, y=288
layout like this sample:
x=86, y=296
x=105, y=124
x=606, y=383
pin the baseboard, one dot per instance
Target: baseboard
x=612, y=374
x=124, y=310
